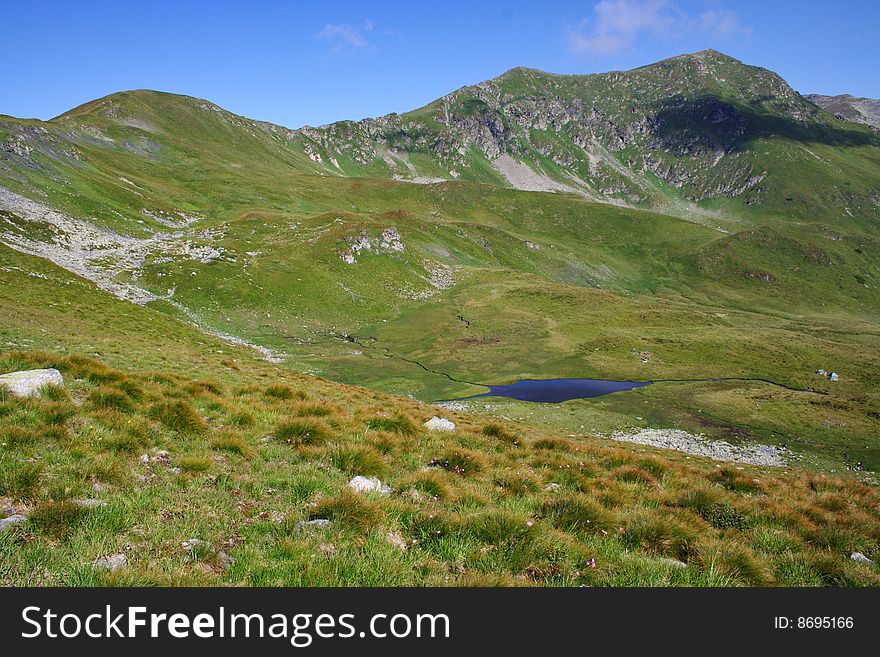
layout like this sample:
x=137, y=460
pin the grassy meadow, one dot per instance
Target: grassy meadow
x=242, y=466
x=726, y=261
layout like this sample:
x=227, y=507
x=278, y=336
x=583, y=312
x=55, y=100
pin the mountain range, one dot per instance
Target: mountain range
x=247, y=316
x=532, y=226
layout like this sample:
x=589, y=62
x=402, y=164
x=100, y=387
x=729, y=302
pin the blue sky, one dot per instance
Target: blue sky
x=298, y=63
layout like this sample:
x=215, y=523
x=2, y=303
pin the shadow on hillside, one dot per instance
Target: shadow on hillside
x=709, y=122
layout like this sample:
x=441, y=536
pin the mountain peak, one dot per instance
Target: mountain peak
x=710, y=53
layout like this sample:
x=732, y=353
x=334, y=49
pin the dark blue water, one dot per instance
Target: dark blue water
x=559, y=390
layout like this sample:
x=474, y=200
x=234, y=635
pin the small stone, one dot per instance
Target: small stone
x=89, y=503
x=439, y=424
x=194, y=544
x=396, y=540
x=224, y=560
x=861, y=558
x=112, y=563
x=552, y=487
x=14, y=519
x=327, y=549
x=361, y=484
x=302, y=525
x=29, y=383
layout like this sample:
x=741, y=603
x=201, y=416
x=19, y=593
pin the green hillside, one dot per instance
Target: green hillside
x=697, y=210
x=202, y=464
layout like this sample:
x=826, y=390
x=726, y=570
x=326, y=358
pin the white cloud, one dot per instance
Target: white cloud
x=722, y=22
x=616, y=25
x=342, y=36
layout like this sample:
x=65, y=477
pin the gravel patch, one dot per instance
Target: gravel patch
x=699, y=445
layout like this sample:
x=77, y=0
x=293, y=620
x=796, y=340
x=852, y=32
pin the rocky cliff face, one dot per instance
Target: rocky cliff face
x=687, y=124
x=686, y=136
x=849, y=108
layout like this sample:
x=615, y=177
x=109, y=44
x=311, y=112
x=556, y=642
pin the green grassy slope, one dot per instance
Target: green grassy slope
x=244, y=228
x=203, y=440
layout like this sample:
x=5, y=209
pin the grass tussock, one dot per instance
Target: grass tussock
x=472, y=507
x=458, y=461
x=398, y=424
x=303, y=432
x=357, y=460
x=57, y=519
x=232, y=443
x=179, y=415
x=736, y=481
x=498, y=432
x=735, y=561
x=661, y=534
x=553, y=444
x=241, y=418
x=20, y=480
x=577, y=514
x=316, y=409
x=431, y=484
x=496, y=526
x=284, y=391
x=348, y=509
x=195, y=463
x=635, y=475
x=517, y=484
x=108, y=397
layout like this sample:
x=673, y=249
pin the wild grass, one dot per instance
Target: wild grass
x=303, y=432
x=498, y=432
x=357, y=460
x=178, y=415
x=56, y=519
x=458, y=461
x=661, y=534
x=195, y=463
x=472, y=508
x=231, y=442
x=348, y=509
x=397, y=424
x=576, y=514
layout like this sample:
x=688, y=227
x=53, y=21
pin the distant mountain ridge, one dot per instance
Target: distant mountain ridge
x=688, y=220
x=681, y=136
x=850, y=108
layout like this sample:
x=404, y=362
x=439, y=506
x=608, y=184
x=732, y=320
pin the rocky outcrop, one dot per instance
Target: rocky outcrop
x=30, y=383
x=362, y=484
x=611, y=135
x=850, y=108
x=439, y=424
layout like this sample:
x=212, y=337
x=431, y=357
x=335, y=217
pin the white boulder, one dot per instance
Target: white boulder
x=361, y=484
x=28, y=383
x=439, y=424
x=112, y=563
x=89, y=503
x=194, y=544
x=303, y=525
x=14, y=519
x=861, y=558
